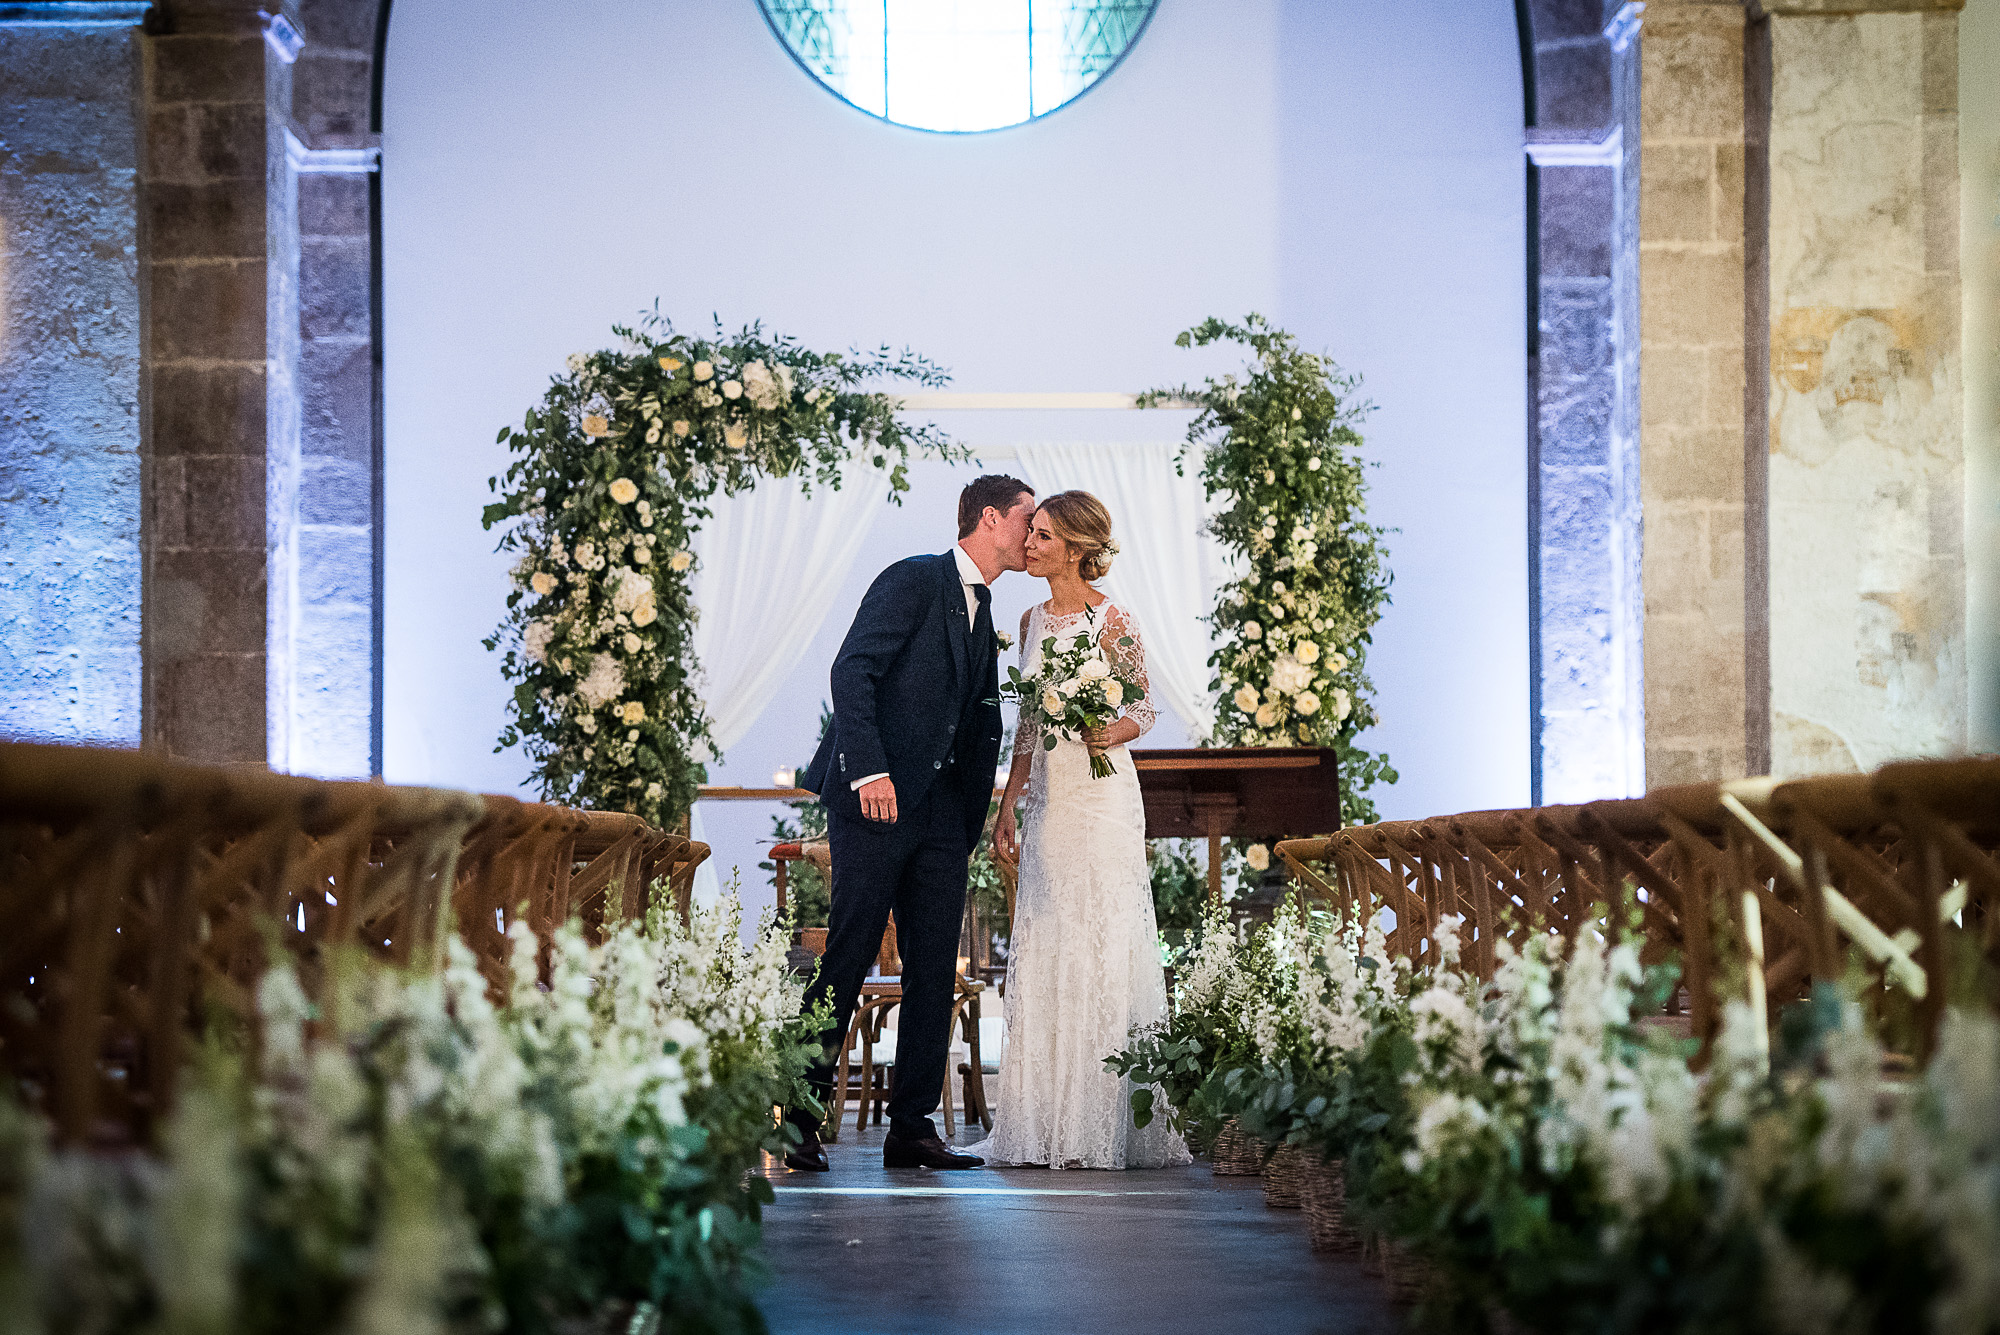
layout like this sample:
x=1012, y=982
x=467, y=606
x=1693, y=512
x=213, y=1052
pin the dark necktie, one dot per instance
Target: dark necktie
x=982, y=623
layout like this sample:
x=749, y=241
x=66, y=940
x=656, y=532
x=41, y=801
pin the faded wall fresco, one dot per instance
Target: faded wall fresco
x=1866, y=491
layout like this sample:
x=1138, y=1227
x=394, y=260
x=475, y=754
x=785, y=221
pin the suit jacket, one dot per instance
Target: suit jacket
x=910, y=688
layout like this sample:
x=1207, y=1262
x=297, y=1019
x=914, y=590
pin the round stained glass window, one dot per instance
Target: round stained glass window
x=958, y=65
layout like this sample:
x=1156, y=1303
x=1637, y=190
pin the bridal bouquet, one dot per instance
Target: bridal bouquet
x=1077, y=688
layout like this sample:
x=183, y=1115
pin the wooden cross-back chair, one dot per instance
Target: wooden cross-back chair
x=137, y=889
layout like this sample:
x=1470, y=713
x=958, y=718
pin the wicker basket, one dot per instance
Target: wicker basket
x=1407, y=1275
x=1323, y=1193
x=1284, y=1175
x=1236, y=1152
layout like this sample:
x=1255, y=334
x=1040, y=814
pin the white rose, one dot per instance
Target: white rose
x=1258, y=856
x=1114, y=693
x=703, y=370
x=543, y=583
x=1289, y=676
x=1052, y=703
x=624, y=490
x=1266, y=715
x=645, y=614
x=633, y=643
x=1278, y=587
x=1306, y=651
x=1342, y=705
x=1070, y=687
x=1252, y=631
x=680, y=561
x=1307, y=703
x=1312, y=464
x=1246, y=699
x=588, y=724
x=1094, y=669
x=732, y=389
x=1337, y=663
x=642, y=555
x=735, y=437
x=634, y=712
x=681, y=427
x=596, y=424
x=604, y=683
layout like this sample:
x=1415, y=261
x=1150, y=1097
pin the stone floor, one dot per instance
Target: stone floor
x=863, y=1250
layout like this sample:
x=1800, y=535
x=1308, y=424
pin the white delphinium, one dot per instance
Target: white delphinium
x=1214, y=971
x=197, y=1214
x=1445, y=1121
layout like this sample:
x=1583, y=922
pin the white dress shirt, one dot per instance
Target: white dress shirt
x=968, y=576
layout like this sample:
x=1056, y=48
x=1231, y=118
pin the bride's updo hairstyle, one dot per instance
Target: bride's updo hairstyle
x=1084, y=525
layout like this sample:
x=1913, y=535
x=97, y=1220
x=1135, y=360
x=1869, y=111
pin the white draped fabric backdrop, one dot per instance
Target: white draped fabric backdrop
x=1167, y=566
x=771, y=561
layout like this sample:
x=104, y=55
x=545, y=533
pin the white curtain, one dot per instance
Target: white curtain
x=1167, y=566
x=770, y=561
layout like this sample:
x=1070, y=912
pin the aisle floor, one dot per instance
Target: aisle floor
x=864, y=1250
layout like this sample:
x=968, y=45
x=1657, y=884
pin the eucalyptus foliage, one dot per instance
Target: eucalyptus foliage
x=611, y=479
x=1281, y=443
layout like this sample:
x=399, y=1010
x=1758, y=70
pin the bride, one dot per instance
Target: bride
x=1084, y=963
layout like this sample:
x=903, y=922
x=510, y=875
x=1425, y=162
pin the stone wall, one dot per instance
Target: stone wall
x=1979, y=211
x=1866, y=451
x=71, y=571
x=1589, y=725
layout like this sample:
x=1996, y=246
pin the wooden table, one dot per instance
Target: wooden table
x=1255, y=792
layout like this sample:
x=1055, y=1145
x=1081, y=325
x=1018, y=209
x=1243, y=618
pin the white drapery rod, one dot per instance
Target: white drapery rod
x=949, y=401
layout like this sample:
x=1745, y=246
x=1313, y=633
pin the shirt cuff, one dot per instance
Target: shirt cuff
x=857, y=785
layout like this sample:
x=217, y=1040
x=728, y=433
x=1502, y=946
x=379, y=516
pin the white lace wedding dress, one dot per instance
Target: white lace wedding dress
x=1084, y=961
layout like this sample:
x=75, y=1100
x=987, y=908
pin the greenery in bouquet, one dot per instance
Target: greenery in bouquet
x=1281, y=443
x=1077, y=686
x=610, y=480
x=410, y=1156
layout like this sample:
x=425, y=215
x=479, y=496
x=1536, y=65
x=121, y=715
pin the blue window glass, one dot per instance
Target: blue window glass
x=958, y=65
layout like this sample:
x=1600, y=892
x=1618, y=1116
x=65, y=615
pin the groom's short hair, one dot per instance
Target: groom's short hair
x=994, y=489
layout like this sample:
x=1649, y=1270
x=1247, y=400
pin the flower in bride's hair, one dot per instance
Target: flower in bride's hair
x=1051, y=702
x=1258, y=856
x=1252, y=631
x=704, y=370
x=1246, y=699
x=624, y=491
x=596, y=424
x=1114, y=693
x=1307, y=703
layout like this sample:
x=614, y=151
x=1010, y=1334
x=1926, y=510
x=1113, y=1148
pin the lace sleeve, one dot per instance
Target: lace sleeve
x=1027, y=730
x=1130, y=662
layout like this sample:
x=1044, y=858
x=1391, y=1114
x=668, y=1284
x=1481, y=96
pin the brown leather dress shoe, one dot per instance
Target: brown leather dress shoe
x=929, y=1152
x=808, y=1156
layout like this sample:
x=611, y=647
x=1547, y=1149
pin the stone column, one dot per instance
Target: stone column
x=71, y=338
x=1854, y=238
x=223, y=349
x=1701, y=718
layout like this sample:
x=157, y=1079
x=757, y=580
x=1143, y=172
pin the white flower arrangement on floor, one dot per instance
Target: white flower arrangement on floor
x=1551, y=1156
x=407, y=1155
x=608, y=486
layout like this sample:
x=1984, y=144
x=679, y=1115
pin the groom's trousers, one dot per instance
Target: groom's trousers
x=916, y=867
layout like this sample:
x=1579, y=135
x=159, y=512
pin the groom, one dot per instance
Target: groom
x=905, y=773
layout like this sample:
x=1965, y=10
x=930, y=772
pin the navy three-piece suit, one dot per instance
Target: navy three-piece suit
x=916, y=690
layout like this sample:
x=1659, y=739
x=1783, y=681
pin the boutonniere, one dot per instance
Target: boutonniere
x=1006, y=640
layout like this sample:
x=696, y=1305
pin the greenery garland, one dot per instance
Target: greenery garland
x=610, y=481
x=1280, y=443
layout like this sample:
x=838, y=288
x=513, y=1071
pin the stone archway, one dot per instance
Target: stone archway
x=1580, y=79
